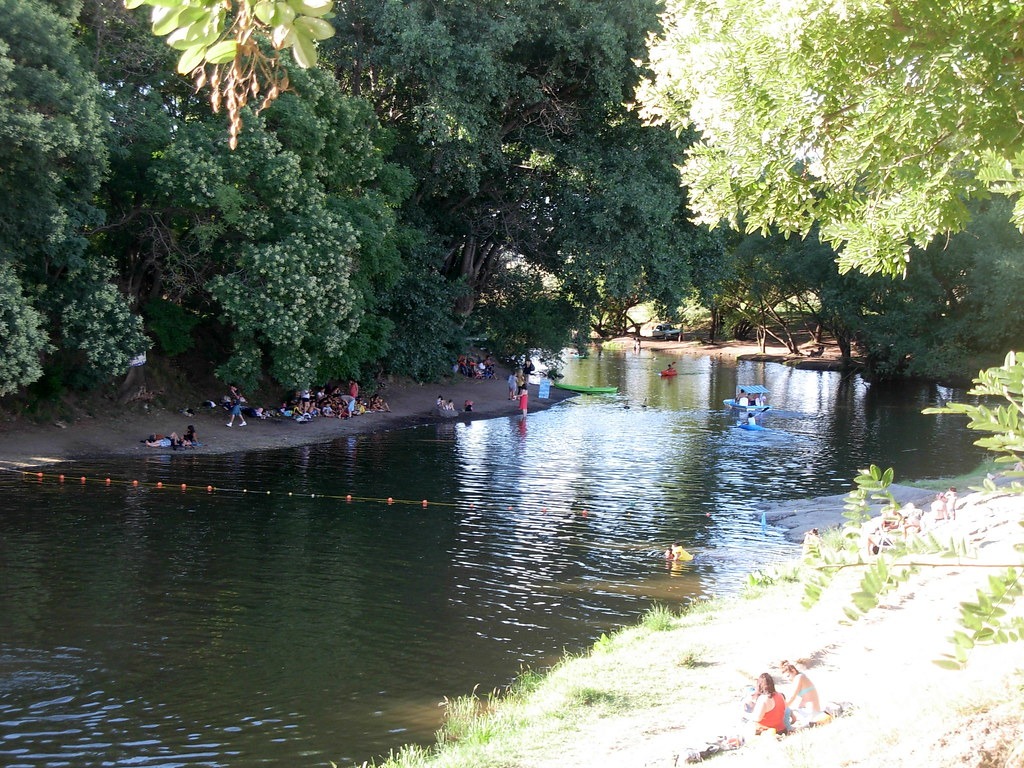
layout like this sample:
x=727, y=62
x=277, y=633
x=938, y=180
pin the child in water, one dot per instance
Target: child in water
x=676, y=552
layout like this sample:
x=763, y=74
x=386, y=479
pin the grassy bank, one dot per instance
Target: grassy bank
x=645, y=695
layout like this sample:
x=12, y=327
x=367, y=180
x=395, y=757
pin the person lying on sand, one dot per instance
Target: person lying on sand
x=163, y=441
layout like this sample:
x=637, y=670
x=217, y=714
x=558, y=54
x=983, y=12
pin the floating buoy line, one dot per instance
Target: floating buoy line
x=68, y=478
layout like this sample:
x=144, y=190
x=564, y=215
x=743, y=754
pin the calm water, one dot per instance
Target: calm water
x=273, y=622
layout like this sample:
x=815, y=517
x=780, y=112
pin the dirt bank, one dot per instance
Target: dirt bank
x=118, y=433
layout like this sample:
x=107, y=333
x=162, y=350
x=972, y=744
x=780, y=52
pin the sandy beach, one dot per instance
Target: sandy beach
x=118, y=431
x=121, y=433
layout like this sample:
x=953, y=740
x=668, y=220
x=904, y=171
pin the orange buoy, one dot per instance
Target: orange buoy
x=184, y=487
x=135, y=483
x=83, y=479
x=107, y=481
x=424, y=502
x=159, y=484
x=348, y=497
x=209, y=489
x=39, y=475
x=390, y=500
x=61, y=478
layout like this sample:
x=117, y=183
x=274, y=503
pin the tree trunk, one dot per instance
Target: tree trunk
x=133, y=382
x=475, y=262
x=714, y=327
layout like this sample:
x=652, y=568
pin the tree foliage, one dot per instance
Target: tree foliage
x=878, y=123
x=222, y=45
x=53, y=156
x=513, y=118
x=22, y=336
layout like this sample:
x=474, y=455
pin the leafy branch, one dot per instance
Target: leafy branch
x=220, y=46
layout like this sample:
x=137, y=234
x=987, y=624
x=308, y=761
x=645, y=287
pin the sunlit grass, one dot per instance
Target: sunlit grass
x=766, y=578
x=623, y=672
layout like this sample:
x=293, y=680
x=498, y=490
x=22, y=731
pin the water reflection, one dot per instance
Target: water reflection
x=274, y=622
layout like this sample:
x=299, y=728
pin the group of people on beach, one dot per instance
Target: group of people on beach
x=518, y=381
x=909, y=520
x=447, y=407
x=767, y=710
x=474, y=367
x=328, y=401
x=187, y=440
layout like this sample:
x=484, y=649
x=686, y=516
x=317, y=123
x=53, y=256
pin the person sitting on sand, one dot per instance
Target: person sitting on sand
x=767, y=707
x=812, y=541
x=803, y=699
x=912, y=518
x=189, y=439
x=881, y=531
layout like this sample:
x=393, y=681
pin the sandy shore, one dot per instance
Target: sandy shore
x=120, y=434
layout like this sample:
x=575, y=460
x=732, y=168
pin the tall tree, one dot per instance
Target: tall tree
x=877, y=121
x=52, y=160
x=495, y=104
x=623, y=236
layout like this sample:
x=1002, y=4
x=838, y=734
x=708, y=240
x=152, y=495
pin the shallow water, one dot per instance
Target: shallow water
x=274, y=622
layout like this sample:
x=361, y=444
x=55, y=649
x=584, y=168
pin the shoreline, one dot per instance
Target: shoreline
x=117, y=432
x=122, y=435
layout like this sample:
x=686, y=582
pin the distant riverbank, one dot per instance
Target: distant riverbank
x=112, y=430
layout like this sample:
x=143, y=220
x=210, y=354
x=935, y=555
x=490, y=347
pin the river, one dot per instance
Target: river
x=322, y=601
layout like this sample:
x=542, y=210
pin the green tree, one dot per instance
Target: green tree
x=190, y=222
x=876, y=122
x=52, y=160
x=508, y=116
x=948, y=315
x=21, y=335
x=622, y=235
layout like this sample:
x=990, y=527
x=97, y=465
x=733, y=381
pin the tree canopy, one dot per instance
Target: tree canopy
x=875, y=121
x=477, y=169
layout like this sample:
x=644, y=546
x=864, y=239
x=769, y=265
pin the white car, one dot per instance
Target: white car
x=665, y=331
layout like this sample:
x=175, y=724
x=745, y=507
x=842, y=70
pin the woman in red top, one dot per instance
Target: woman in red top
x=769, y=707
